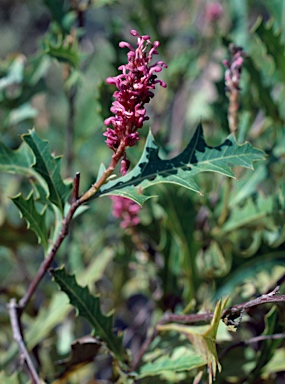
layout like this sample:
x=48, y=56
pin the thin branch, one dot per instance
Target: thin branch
x=95, y=187
x=67, y=219
x=270, y=297
x=186, y=319
x=255, y=339
x=76, y=182
x=48, y=260
x=234, y=311
x=17, y=335
x=70, y=95
x=144, y=347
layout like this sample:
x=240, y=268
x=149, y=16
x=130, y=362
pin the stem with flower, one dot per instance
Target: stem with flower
x=232, y=80
x=134, y=86
x=134, y=90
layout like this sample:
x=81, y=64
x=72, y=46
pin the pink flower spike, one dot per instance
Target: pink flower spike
x=134, y=84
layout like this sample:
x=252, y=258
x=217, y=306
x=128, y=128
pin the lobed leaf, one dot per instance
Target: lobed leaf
x=62, y=51
x=196, y=158
x=48, y=167
x=88, y=306
x=36, y=221
x=20, y=162
x=258, y=208
x=272, y=39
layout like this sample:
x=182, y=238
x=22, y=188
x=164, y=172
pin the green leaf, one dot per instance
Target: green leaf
x=185, y=361
x=247, y=185
x=268, y=347
x=256, y=209
x=262, y=91
x=272, y=40
x=196, y=158
x=62, y=51
x=58, y=308
x=15, y=73
x=83, y=350
x=60, y=11
x=249, y=271
x=24, y=112
x=36, y=221
x=7, y=378
x=276, y=364
x=16, y=161
x=19, y=162
x=48, y=167
x=203, y=338
x=88, y=306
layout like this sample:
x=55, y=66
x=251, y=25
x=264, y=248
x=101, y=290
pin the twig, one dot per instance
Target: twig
x=144, y=347
x=67, y=219
x=232, y=81
x=229, y=313
x=115, y=159
x=17, y=335
x=48, y=260
x=76, y=182
x=169, y=318
x=278, y=283
x=270, y=297
x=255, y=339
x=70, y=95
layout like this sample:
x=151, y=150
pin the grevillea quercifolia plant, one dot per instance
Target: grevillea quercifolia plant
x=134, y=91
x=135, y=86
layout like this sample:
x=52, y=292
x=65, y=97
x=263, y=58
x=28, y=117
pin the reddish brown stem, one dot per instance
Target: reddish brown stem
x=76, y=182
x=233, y=110
x=66, y=221
x=95, y=187
x=18, y=337
x=237, y=309
x=48, y=260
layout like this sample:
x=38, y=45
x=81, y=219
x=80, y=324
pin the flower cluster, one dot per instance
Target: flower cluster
x=135, y=85
x=126, y=210
x=234, y=68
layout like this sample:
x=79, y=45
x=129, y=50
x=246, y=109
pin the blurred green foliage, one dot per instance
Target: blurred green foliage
x=189, y=250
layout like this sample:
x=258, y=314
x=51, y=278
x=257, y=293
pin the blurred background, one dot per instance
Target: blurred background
x=188, y=249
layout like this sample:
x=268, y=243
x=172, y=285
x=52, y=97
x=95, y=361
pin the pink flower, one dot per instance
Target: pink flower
x=234, y=68
x=135, y=85
x=126, y=210
x=214, y=11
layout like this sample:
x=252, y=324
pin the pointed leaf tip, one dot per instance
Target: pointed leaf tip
x=48, y=167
